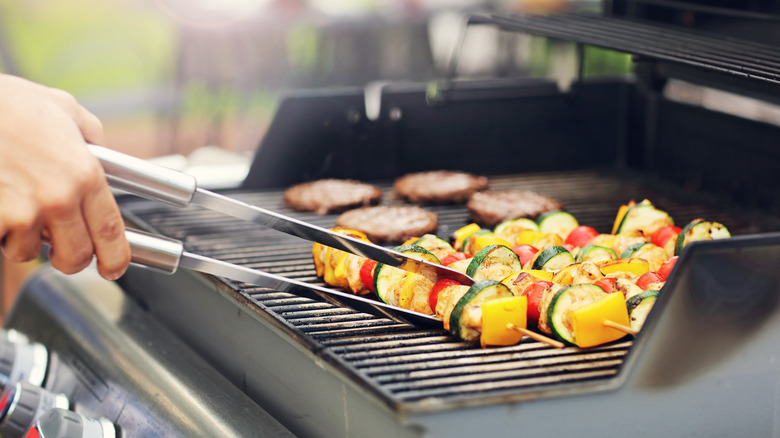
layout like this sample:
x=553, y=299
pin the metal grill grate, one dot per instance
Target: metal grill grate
x=406, y=366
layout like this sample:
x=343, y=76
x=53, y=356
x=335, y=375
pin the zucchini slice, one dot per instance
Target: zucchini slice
x=435, y=244
x=700, y=229
x=493, y=262
x=557, y=222
x=564, y=302
x=595, y=254
x=639, y=306
x=644, y=217
x=635, y=249
x=466, y=316
x=552, y=258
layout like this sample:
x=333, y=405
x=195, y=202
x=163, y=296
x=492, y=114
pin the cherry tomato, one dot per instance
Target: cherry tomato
x=666, y=268
x=525, y=252
x=660, y=237
x=433, y=298
x=580, y=236
x=535, y=292
x=607, y=284
x=454, y=257
x=367, y=274
x=648, y=278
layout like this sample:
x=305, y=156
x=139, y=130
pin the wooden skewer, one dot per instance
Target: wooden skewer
x=621, y=327
x=536, y=336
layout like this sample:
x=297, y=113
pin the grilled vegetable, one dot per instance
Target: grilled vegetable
x=460, y=235
x=493, y=262
x=581, y=236
x=497, y=314
x=509, y=230
x=406, y=289
x=595, y=253
x=435, y=245
x=552, y=259
x=588, y=321
x=635, y=267
x=639, y=306
x=525, y=252
x=466, y=316
x=557, y=222
x=566, y=300
x=643, y=217
x=700, y=229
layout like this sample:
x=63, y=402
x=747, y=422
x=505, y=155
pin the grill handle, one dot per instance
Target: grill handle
x=154, y=252
x=142, y=178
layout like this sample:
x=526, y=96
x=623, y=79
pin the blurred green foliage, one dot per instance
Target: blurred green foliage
x=88, y=47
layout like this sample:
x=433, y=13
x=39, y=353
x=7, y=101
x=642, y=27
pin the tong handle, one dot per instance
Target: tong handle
x=145, y=179
x=154, y=252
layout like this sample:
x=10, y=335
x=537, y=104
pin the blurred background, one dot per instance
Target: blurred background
x=171, y=76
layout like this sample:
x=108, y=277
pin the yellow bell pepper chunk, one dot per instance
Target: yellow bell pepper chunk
x=539, y=275
x=462, y=233
x=488, y=239
x=621, y=214
x=330, y=276
x=497, y=314
x=528, y=237
x=634, y=265
x=588, y=321
x=340, y=272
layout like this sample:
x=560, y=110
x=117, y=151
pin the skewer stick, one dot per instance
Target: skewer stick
x=536, y=336
x=620, y=327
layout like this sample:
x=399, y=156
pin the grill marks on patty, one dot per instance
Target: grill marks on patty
x=331, y=195
x=490, y=208
x=390, y=223
x=439, y=187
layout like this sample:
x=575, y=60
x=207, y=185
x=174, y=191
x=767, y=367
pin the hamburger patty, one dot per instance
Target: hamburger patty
x=390, y=223
x=331, y=195
x=492, y=207
x=439, y=187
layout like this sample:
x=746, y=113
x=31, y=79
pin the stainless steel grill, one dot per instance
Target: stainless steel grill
x=405, y=366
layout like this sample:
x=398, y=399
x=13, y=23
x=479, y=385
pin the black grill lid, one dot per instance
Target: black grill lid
x=735, y=62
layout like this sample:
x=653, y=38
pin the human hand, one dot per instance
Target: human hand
x=52, y=189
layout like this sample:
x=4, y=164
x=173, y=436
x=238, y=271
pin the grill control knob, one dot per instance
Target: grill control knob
x=20, y=361
x=62, y=423
x=23, y=403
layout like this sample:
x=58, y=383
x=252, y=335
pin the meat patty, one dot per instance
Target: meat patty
x=439, y=187
x=490, y=208
x=390, y=223
x=331, y=195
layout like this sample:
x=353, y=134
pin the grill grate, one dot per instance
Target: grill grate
x=406, y=366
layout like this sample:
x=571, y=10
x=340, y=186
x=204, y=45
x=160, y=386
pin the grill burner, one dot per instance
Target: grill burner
x=406, y=367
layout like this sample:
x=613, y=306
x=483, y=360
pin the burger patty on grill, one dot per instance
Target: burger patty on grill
x=439, y=187
x=331, y=195
x=490, y=208
x=390, y=223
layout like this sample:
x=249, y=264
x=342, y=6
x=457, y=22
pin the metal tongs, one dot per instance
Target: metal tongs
x=158, y=183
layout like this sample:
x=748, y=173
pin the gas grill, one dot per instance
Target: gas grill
x=705, y=362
